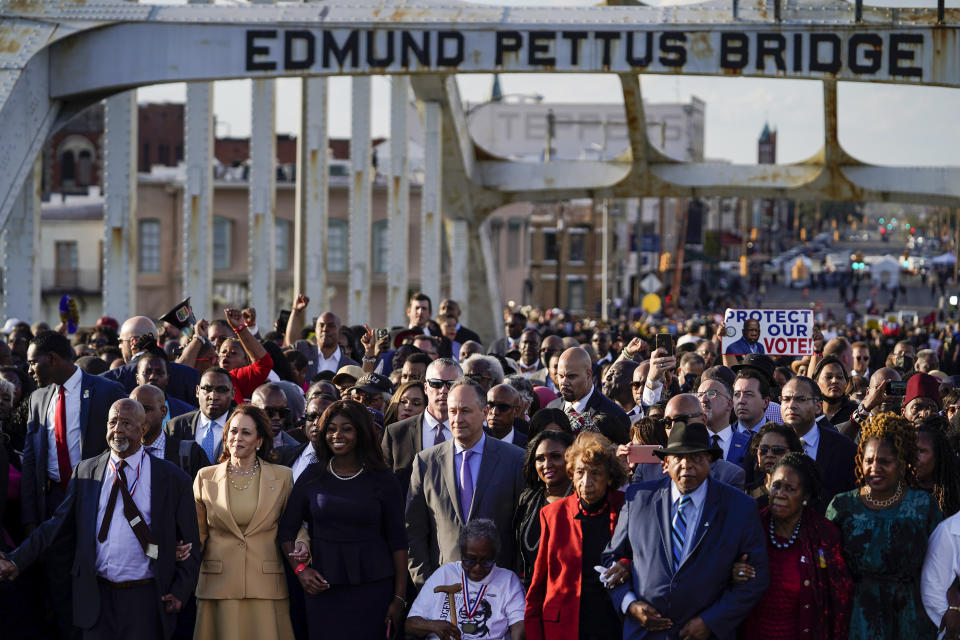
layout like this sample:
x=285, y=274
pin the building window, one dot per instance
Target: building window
x=337, y=246
x=222, y=230
x=550, y=248
x=145, y=158
x=281, y=238
x=66, y=264
x=149, y=246
x=514, y=236
x=578, y=246
x=496, y=232
x=67, y=168
x=576, y=295
x=163, y=154
x=380, y=242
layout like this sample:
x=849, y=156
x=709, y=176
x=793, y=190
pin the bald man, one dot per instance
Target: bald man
x=186, y=454
x=686, y=408
x=182, y=380
x=325, y=353
x=583, y=403
x=503, y=409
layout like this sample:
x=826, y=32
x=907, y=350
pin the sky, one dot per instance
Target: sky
x=878, y=123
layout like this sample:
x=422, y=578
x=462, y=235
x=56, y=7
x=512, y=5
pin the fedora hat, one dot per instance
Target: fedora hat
x=759, y=362
x=688, y=438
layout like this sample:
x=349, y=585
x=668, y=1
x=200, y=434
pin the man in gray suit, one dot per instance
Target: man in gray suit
x=687, y=409
x=468, y=477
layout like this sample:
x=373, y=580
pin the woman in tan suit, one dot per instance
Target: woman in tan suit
x=242, y=592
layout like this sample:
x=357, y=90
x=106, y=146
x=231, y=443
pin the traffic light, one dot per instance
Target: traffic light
x=744, y=266
x=883, y=231
x=882, y=220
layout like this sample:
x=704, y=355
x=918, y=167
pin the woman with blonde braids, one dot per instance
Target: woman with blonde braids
x=884, y=526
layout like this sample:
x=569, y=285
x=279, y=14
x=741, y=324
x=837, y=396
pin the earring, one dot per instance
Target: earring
x=804, y=503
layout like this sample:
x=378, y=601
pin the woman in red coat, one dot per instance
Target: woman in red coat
x=573, y=533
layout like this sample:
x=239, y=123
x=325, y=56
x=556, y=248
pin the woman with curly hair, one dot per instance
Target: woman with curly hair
x=810, y=586
x=884, y=525
x=937, y=470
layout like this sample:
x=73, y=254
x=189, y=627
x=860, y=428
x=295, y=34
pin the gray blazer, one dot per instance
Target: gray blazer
x=434, y=516
x=401, y=443
x=722, y=470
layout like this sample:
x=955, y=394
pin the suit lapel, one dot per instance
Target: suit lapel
x=711, y=505
x=84, y=406
x=416, y=434
x=158, y=498
x=91, y=504
x=269, y=492
x=664, y=506
x=448, y=466
x=216, y=487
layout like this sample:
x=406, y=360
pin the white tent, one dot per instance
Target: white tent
x=946, y=258
x=885, y=270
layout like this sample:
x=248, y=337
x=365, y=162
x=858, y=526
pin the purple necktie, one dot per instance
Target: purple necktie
x=438, y=436
x=466, y=485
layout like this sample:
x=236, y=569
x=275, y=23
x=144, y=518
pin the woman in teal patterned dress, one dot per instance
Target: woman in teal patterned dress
x=884, y=527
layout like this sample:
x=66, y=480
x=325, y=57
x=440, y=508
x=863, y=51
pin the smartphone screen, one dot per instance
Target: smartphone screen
x=643, y=454
x=664, y=341
x=897, y=388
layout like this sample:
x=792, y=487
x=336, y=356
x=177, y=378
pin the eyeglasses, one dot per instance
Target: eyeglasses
x=636, y=385
x=777, y=450
x=209, y=388
x=685, y=418
x=312, y=417
x=437, y=383
x=469, y=561
x=277, y=412
x=502, y=407
x=711, y=394
x=863, y=357
x=786, y=399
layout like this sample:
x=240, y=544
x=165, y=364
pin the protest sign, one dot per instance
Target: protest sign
x=774, y=332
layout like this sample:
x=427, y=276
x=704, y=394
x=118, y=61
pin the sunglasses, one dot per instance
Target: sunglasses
x=312, y=417
x=469, y=561
x=502, y=407
x=277, y=412
x=684, y=418
x=209, y=388
x=437, y=383
x=777, y=450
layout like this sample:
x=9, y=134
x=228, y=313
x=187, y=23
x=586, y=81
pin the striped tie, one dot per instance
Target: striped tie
x=679, y=531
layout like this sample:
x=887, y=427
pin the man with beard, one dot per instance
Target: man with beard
x=128, y=580
x=205, y=425
x=271, y=398
x=186, y=454
x=583, y=403
x=617, y=387
x=833, y=452
x=749, y=342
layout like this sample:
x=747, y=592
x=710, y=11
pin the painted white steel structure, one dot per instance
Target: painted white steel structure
x=57, y=56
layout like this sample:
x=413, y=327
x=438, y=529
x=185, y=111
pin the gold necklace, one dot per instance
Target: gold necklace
x=887, y=502
x=252, y=476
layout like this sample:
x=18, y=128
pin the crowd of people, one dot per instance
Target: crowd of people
x=567, y=481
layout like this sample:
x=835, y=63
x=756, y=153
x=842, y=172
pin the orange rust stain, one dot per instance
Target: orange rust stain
x=700, y=45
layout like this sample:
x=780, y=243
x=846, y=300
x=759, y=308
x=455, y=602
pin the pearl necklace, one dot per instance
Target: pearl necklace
x=883, y=504
x=339, y=477
x=788, y=543
x=252, y=476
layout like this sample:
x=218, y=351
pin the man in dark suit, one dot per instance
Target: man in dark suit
x=503, y=410
x=127, y=579
x=183, y=380
x=205, y=425
x=449, y=307
x=468, y=477
x=403, y=440
x=515, y=327
x=66, y=424
x=749, y=341
x=716, y=396
x=682, y=535
x=583, y=403
x=152, y=370
x=325, y=354
x=834, y=453
x=186, y=454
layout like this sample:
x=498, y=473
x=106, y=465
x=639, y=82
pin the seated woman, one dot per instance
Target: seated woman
x=566, y=599
x=473, y=577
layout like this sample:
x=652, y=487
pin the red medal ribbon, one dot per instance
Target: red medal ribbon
x=471, y=610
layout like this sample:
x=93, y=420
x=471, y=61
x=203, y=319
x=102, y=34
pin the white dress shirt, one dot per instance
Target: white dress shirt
x=121, y=558
x=580, y=405
x=726, y=439
x=940, y=567
x=306, y=458
x=652, y=395
x=328, y=364
x=692, y=514
x=810, y=441
x=74, y=436
x=430, y=429
x=218, y=425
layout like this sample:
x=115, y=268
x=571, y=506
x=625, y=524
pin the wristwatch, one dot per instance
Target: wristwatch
x=860, y=414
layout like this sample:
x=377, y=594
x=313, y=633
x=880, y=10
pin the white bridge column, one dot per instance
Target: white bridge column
x=398, y=197
x=19, y=243
x=120, y=206
x=430, y=242
x=261, y=261
x=459, y=235
x=358, y=309
x=312, y=200
x=198, y=199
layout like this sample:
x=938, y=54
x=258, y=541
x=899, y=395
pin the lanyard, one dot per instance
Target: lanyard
x=471, y=610
x=116, y=474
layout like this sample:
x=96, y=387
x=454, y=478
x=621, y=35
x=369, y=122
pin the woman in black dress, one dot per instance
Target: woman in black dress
x=356, y=580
